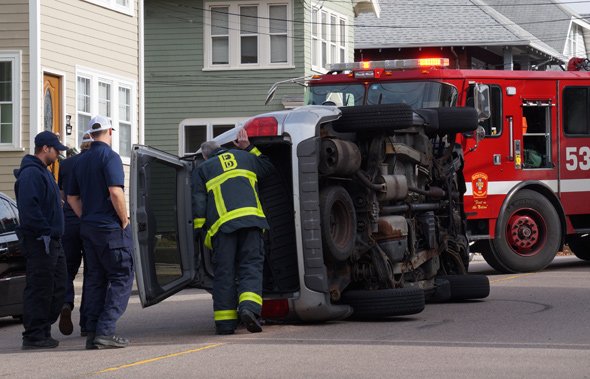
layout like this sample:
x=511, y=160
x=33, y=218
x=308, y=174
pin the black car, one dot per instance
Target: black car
x=12, y=262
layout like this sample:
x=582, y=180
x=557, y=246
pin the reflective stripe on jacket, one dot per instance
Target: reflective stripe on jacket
x=225, y=191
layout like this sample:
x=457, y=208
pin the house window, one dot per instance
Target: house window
x=111, y=97
x=9, y=100
x=83, y=106
x=125, y=140
x=328, y=39
x=243, y=35
x=123, y=6
x=193, y=132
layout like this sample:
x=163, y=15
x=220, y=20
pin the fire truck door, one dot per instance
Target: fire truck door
x=574, y=151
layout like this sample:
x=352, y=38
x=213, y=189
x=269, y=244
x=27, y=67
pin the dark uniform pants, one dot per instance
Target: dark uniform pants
x=238, y=255
x=109, y=276
x=45, y=288
x=74, y=251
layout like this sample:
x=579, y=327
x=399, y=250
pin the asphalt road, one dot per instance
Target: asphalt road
x=532, y=325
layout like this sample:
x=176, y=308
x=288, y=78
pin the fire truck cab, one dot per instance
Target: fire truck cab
x=526, y=181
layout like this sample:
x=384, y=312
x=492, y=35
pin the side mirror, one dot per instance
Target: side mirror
x=482, y=101
x=478, y=135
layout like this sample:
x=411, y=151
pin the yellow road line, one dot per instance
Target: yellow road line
x=512, y=277
x=157, y=358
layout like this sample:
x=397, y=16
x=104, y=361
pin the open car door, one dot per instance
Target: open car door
x=162, y=223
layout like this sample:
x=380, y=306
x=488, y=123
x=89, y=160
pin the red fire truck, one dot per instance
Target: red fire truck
x=527, y=180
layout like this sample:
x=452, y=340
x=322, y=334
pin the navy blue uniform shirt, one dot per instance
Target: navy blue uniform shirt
x=38, y=200
x=66, y=171
x=94, y=172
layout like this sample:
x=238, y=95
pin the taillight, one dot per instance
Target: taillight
x=275, y=308
x=262, y=126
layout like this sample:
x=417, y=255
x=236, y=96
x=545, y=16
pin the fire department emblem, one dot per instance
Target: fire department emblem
x=479, y=183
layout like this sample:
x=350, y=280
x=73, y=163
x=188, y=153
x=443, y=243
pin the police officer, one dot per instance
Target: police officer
x=41, y=227
x=72, y=243
x=96, y=195
x=227, y=207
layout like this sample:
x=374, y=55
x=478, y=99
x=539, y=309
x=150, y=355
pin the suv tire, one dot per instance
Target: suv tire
x=373, y=304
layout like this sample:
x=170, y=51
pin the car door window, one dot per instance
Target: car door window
x=8, y=221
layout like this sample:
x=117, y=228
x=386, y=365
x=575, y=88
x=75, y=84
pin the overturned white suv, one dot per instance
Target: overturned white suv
x=365, y=212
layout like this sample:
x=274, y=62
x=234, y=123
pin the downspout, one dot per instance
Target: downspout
x=141, y=121
x=34, y=71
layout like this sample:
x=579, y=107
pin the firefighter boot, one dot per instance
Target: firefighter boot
x=251, y=321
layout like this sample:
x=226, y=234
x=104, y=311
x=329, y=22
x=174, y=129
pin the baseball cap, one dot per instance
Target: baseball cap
x=47, y=138
x=86, y=138
x=99, y=123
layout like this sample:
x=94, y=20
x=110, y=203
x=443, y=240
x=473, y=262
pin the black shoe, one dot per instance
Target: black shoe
x=224, y=332
x=251, y=321
x=47, y=343
x=110, y=342
x=65, y=320
x=90, y=341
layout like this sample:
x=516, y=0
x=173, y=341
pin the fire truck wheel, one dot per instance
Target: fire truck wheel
x=468, y=287
x=375, y=304
x=580, y=246
x=338, y=222
x=381, y=117
x=486, y=251
x=528, y=233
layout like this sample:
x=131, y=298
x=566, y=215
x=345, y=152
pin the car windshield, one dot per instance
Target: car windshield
x=340, y=95
x=423, y=94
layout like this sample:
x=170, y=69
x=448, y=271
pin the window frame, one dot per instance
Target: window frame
x=115, y=83
x=234, y=36
x=317, y=40
x=208, y=123
x=15, y=57
x=129, y=10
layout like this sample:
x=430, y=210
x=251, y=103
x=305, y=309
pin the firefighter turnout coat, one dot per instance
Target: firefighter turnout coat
x=225, y=191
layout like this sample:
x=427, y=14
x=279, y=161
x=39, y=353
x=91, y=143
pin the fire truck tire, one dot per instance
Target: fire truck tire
x=338, y=222
x=468, y=287
x=516, y=246
x=580, y=246
x=375, y=304
x=381, y=117
x=486, y=251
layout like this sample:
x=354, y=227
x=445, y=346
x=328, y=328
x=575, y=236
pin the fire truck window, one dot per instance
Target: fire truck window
x=536, y=140
x=575, y=110
x=416, y=94
x=340, y=95
x=493, y=125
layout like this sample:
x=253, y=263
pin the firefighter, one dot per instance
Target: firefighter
x=226, y=207
x=96, y=195
x=40, y=230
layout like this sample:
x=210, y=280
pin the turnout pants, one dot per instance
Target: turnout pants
x=74, y=251
x=238, y=256
x=45, y=287
x=109, y=276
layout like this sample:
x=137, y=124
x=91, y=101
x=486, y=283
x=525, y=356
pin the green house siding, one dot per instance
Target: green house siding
x=177, y=87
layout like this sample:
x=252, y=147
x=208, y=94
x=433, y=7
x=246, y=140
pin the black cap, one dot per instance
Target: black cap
x=46, y=138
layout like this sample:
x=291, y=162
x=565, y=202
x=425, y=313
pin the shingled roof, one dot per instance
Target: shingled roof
x=432, y=23
x=548, y=20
